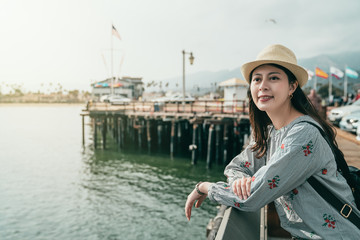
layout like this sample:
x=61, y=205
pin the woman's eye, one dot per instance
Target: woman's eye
x=274, y=78
x=256, y=79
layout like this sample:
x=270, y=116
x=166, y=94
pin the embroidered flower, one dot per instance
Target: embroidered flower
x=237, y=204
x=324, y=171
x=308, y=148
x=273, y=183
x=293, y=193
x=282, y=146
x=329, y=221
x=245, y=164
x=253, y=178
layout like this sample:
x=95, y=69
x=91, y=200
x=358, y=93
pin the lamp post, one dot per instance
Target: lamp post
x=191, y=58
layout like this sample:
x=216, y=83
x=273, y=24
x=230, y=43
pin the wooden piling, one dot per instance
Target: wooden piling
x=95, y=132
x=179, y=140
x=148, y=135
x=172, y=139
x=194, y=145
x=83, y=129
x=225, y=143
x=122, y=131
x=139, y=125
x=159, y=135
x=217, y=143
x=104, y=130
x=209, y=149
x=118, y=132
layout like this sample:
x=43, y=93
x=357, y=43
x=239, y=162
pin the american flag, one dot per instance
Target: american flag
x=115, y=32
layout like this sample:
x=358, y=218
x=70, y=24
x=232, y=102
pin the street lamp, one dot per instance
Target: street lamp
x=191, y=58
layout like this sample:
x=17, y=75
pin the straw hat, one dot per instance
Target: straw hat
x=277, y=54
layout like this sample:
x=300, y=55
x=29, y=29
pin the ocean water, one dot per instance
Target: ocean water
x=53, y=187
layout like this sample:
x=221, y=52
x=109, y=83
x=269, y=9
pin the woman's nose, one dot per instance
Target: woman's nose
x=263, y=85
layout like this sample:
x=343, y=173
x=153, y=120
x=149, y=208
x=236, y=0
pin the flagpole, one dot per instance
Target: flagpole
x=112, y=73
x=315, y=82
x=345, y=84
x=330, y=85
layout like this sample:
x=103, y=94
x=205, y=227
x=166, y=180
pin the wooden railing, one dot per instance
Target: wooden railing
x=211, y=106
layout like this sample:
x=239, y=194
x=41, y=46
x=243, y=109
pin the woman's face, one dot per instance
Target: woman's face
x=270, y=88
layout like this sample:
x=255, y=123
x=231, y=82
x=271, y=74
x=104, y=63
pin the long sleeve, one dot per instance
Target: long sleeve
x=245, y=164
x=292, y=162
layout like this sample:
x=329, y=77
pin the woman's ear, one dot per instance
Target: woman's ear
x=293, y=86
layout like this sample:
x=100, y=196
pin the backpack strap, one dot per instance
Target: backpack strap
x=344, y=209
x=339, y=156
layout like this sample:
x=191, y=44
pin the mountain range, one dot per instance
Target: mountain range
x=206, y=81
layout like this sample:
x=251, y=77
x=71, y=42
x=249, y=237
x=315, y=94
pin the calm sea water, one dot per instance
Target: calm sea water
x=51, y=187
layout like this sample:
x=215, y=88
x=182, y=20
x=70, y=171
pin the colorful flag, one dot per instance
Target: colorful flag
x=321, y=73
x=351, y=73
x=310, y=74
x=115, y=32
x=336, y=73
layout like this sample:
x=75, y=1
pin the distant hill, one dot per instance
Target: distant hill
x=205, y=81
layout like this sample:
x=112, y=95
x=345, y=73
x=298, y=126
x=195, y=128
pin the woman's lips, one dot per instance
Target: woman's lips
x=265, y=98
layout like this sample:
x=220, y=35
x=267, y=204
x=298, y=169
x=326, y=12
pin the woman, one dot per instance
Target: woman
x=284, y=152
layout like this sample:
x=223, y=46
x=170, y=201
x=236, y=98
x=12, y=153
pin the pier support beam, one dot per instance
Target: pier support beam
x=83, y=129
x=172, y=139
x=140, y=126
x=104, y=130
x=193, y=147
x=95, y=132
x=217, y=144
x=225, y=142
x=209, y=150
x=159, y=134
x=148, y=135
x=118, y=132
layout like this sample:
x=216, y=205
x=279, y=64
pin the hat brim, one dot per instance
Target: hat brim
x=299, y=72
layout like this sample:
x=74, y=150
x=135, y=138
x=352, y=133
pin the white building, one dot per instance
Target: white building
x=235, y=89
x=126, y=86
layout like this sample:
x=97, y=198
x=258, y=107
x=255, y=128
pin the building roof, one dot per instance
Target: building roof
x=118, y=82
x=233, y=82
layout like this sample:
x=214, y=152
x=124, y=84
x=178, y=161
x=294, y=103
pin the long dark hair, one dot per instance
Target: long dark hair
x=260, y=120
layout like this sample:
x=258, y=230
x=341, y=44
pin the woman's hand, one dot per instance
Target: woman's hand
x=193, y=197
x=241, y=187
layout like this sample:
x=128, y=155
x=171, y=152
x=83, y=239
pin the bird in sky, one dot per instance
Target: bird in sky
x=271, y=20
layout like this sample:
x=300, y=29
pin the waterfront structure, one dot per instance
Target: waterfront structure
x=235, y=89
x=130, y=87
x=200, y=129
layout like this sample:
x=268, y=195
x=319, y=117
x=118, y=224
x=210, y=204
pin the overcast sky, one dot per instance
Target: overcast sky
x=48, y=41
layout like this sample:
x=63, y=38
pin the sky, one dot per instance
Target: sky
x=46, y=44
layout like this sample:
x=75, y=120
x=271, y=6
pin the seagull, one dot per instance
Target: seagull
x=271, y=20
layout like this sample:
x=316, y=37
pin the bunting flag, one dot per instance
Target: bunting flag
x=310, y=74
x=336, y=73
x=321, y=73
x=351, y=73
x=115, y=33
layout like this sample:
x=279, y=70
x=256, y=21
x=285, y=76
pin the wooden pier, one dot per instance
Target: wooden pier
x=211, y=130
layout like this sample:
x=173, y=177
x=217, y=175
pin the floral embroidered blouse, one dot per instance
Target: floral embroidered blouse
x=295, y=152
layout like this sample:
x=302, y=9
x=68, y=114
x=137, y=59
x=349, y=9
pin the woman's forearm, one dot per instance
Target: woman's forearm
x=204, y=186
